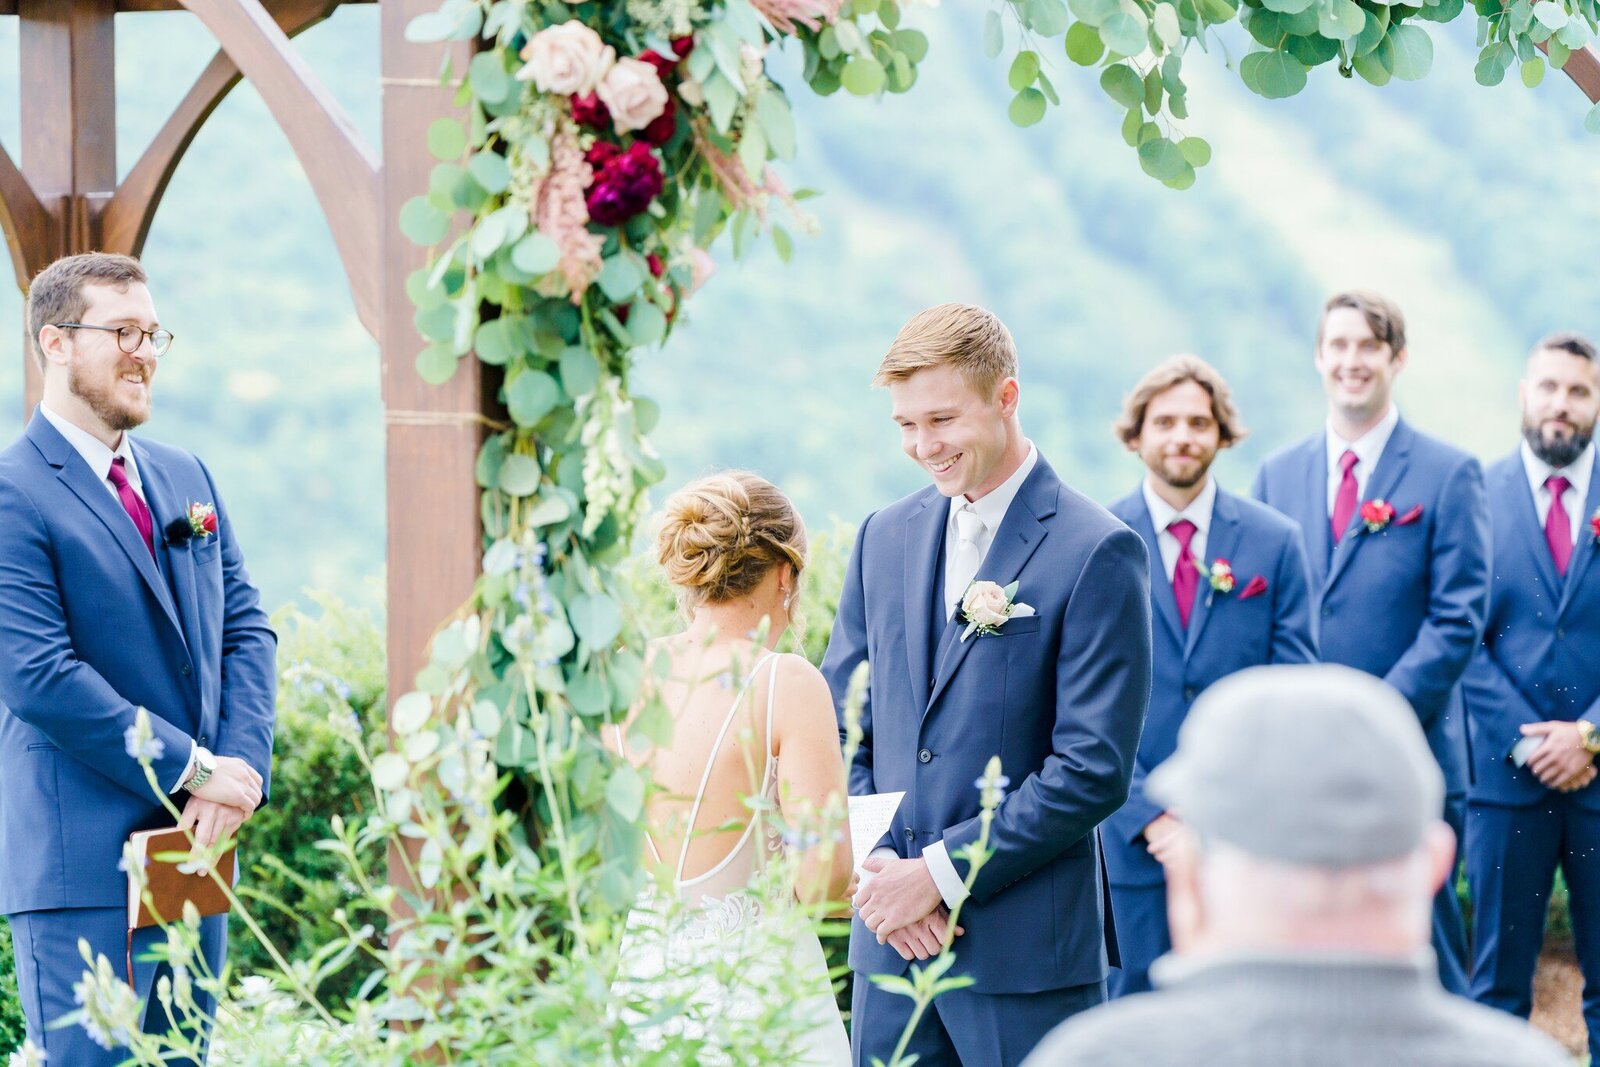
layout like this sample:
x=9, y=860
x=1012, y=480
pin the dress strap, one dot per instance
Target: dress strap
x=711, y=759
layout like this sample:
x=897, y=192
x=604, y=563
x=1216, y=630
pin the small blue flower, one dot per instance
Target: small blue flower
x=1000, y=783
x=319, y=688
x=725, y=679
x=149, y=749
x=522, y=596
x=342, y=689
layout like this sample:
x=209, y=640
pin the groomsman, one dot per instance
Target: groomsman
x=1397, y=534
x=1233, y=593
x=1534, y=684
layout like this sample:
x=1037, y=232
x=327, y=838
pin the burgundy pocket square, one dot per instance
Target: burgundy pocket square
x=1409, y=517
x=1256, y=587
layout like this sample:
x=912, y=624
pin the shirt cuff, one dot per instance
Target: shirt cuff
x=188, y=771
x=951, y=887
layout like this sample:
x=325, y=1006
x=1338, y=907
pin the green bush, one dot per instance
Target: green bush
x=11, y=1023
x=330, y=664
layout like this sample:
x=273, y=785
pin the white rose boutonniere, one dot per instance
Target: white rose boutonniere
x=987, y=607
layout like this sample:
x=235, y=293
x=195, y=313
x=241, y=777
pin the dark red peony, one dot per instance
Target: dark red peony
x=589, y=110
x=663, y=126
x=600, y=153
x=663, y=65
x=625, y=186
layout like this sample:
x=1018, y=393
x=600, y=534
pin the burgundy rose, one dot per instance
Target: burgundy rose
x=663, y=65
x=589, y=110
x=625, y=186
x=658, y=266
x=601, y=153
x=663, y=126
x=681, y=47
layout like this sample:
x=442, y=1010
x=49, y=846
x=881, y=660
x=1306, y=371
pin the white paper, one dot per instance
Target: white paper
x=1523, y=750
x=869, y=821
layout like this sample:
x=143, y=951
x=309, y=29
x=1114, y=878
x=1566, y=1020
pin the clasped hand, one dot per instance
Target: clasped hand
x=218, y=808
x=1560, y=762
x=899, y=893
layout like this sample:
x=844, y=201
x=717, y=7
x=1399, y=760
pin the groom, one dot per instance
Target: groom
x=1058, y=693
x=115, y=594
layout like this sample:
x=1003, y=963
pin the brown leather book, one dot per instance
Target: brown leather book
x=167, y=888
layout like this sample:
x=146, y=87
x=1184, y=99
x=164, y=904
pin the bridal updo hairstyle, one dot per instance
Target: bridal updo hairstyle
x=721, y=536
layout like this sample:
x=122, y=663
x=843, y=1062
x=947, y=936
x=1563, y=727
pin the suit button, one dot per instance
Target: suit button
x=924, y=756
x=1561, y=633
x=204, y=740
x=910, y=834
x=1327, y=613
x=187, y=670
x=1188, y=692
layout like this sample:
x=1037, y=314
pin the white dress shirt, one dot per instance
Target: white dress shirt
x=1163, y=515
x=1368, y=448
x=99, y=458
x=991, y=508
x=1577, y=495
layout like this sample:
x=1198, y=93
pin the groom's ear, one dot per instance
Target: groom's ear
x=1009, y=394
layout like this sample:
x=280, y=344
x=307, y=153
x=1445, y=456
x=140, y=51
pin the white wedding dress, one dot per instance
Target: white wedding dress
x=725, y=950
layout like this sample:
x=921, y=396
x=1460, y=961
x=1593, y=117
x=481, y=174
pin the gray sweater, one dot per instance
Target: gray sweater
x=1297, y=1011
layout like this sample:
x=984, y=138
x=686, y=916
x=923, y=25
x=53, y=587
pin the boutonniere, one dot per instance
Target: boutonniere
x=1377, y=514
x=200, y=521
x=1219, y=574
x=987, y=607
x=1594, y=525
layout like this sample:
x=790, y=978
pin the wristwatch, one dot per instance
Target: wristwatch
x=205, y=765
x=1589, y=736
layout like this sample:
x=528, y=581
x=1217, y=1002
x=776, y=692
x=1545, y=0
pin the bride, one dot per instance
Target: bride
x=754, y=745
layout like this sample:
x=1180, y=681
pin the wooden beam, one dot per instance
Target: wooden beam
x=433, y=432
x=1583, y=67
x=128, y=217
x=343, y=170
x=28, y=228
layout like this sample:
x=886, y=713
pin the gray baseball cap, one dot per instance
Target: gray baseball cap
x=1317, y=764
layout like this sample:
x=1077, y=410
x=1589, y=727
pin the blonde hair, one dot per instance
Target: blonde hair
x=720, y=536
x=1175, y=371
x=962, y=336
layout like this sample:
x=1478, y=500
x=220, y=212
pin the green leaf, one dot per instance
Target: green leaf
x=1168, y=31
x=782, y=242
x=1126, y=33
x=1161, y=159
x=498, y=341
x=722, y=99
x=1152, y=92
x=1573, y=35
x=1372, y=33
x=436, y=364
x=1341, y=20
x=994, y=35
x=589, y=694
x=863, y=76
x=1413, y=52
x=1094, y=12
x=1196, y=150
x=1287, y=7
x=1558, y=53
x=490, y=170
x=519, y=475
x=530, y=396
x=1024, y=69
x=625, y=791
x=1123, y=85
x=490, y=81
x=620, y=277
x=1533, y=72
x=647, y=324
x=1374, y=66
x=1591, y=121
x=536, y=254
x=913, y=44
x=549, y=510
x=580, y=371
x=1084, y=46
x=1549, y=13
x=1274, y=75
x=1131, y=123
x=596, y=618
x=447, y=139
x=1313, y=51
x=777, y=122
x=1046, y=17
x=423, y=223
x=1027, y=107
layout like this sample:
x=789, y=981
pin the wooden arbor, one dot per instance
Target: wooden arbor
x=64, y=198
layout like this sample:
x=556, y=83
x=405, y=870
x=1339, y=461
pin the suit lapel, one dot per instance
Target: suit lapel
x=1583, y=550
x=1314, y=505
x=1014, y=544
x=75, y=474
x=1381, y=486
x=166, y=505
x=1222, y=542
x=1512, y=492
x=1137, y=515
x=924, y=542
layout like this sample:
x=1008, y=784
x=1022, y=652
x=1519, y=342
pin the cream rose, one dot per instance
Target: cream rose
x=634, y=94
x=986, y=604
x=569, y=59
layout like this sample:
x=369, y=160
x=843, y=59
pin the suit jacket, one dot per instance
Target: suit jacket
x=1227, y=633
x=1060, y=697
x=90, y=630
x=1406, y=603
x=1537, y=660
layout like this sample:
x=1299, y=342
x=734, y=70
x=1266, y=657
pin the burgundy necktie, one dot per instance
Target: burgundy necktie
x=1557, y=525
x=133, y=505
x=1344, y=502
x=1185, y=575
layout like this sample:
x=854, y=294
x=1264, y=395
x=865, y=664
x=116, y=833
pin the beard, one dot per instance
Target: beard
x=1187, y=479
x=116, y=415
x=1561, y=451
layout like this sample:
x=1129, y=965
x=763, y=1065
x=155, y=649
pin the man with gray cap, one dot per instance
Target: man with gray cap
x=1300, y=903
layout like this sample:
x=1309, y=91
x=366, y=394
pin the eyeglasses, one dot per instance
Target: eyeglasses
x=129, y=337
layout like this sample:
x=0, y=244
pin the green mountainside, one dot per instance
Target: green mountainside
x=1475, y=207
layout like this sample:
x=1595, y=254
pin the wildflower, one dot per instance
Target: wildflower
x=142, y=744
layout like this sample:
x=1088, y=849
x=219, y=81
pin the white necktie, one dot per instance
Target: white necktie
x=964, y=567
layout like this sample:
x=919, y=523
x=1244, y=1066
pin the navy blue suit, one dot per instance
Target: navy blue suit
x=1060, y=697
x=92, y=627
x=1537, y=663
x=1227, y=632
x=1406, y=603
